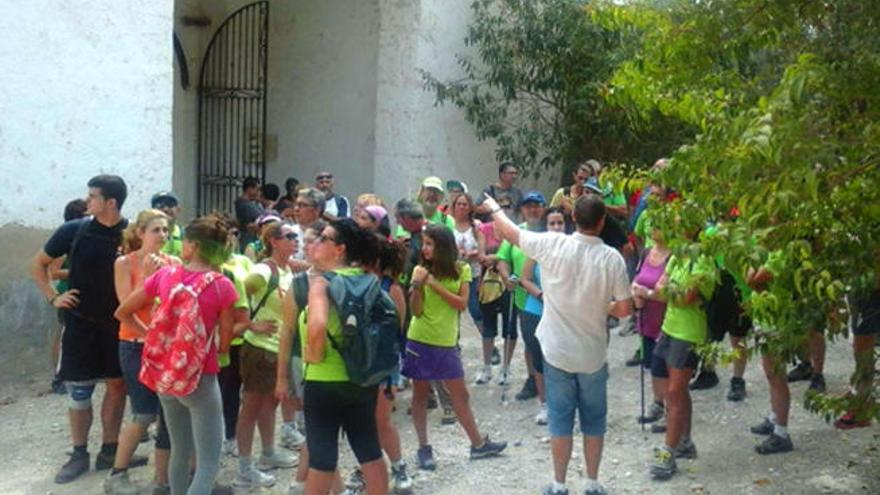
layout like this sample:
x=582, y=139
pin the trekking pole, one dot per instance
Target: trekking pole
x=507, y=351
x=642, y=380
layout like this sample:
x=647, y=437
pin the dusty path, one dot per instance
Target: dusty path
x=34, y=438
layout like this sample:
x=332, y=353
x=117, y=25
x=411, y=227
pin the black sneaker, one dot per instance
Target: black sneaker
x=105, y=460
x=817, y=383
x=737, y=390
x=705, y=380
x=76, y=466
x=488, y=449
x=425, y=456
x=58, y=386
x=659, y=426
x=801, y=372
x=529, y=389
x=496, y=357
x=548, y=490
x=635, y=360
x=763, y=428
x=654, y=413
x=775, y=444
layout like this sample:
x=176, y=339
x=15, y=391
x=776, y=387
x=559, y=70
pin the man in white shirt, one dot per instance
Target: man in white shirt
x=335, y=205
x=583, y=281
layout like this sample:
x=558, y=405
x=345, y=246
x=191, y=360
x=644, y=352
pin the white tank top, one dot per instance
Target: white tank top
x=465, y=241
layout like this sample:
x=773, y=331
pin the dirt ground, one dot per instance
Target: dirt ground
x=35, y=438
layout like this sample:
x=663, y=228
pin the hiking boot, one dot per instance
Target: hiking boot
x=705, y=380
x=484, y=376
x=230, y=447
x=801, y=372
x=849, y=421
x=775, y=444
x=737, y=390
x=401, y=483
x=488, y=449
x=278, y=459
x=503, y=377
x=291, y=438
x=355, y=483
x=105, y=459
x=253, y=478
x=548, y=490
x=449, y=417
x=541, y=417
x=655, y=412
x=496, y=357
x=659, y=426
x=817, y=383
x=664, y=463
x=685, y=450
x=529, y=389
x=635, y=360
x=73, y=468
x=120, y=484
x=763, y=428
x=425, y=456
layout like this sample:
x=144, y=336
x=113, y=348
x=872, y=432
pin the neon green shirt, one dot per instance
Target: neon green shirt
x=688, y=322
x=332, y=366
x=259, y=277
x=174, y=244
x=516, y=259
x=237, y=269
x=438, y=323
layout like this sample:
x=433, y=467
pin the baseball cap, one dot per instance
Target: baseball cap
x=166, y=198
x=434, y=183
x=592, y=184
x=533, y=197
x=377, y=212
x=456, y=184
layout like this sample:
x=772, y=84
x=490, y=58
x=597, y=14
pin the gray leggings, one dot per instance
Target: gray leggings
x=195, y=422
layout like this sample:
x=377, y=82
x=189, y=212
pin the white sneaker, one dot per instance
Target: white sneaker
x=279, y=459
x=253, y=478
x=230, y=447
x=291, y=438
x=484, y=376
x=541, y=417
x=503, y=377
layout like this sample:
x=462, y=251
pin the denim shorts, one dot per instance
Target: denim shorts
x=586, y=393
x=144, y=402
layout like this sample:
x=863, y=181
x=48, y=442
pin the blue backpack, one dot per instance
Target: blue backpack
x=369, y=343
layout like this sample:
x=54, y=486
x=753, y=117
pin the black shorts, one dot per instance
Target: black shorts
x=867, y=315
x=331, y=406
x=741, y=326
x=89, y=349
x=675, y=353
x=501, y=306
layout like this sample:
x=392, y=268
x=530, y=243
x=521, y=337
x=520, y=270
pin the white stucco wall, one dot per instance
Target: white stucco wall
x=86, y=88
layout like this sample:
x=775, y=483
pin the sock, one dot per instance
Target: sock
x=780, y=431
x=80, y=449
x=115, y=471
x=268, y=451
x=245, y=463
x=592, y=485
x=109, y=448
x=772, y=417
x=558, y=487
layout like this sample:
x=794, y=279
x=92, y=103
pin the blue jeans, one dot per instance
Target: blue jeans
x=586, y=393
x=144, y=402
x=474, y=302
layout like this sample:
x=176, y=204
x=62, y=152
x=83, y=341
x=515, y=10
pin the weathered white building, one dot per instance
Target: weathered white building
x=98, y=86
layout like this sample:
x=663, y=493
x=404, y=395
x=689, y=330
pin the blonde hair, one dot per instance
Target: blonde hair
x=130, y=240
x=369, y=199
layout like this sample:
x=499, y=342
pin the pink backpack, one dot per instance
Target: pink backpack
x=177, y=340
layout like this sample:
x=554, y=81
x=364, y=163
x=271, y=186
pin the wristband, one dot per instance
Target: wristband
x=52, y=299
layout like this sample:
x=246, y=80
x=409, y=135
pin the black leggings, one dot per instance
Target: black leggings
x=329, y=406
x=230, y=391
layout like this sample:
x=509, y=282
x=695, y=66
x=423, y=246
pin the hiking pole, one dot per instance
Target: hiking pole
x=507, y=351
x=642, y=380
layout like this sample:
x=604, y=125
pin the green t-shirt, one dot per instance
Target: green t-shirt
x=259, y=277
x=332, y=366
x=688, y=322
x=438, y=323
x=237, y=269
x=63, y=285
x=514, y=256
x=437, y=217
x=174, y=244
x=644, y=227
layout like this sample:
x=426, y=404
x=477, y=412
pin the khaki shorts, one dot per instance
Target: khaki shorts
x=258, y=369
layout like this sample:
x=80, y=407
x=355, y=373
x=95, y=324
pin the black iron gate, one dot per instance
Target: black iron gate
x=232, y=108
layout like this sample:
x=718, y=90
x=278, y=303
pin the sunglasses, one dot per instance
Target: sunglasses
x=290, y=236
x=324, y=177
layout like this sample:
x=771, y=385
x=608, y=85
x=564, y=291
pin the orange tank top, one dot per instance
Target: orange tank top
x=143, y=314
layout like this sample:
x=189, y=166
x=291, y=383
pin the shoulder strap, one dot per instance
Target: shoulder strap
x=79, y=235
x=273, y=284
x=341, y=207
x=301, y=290
x=204, y=282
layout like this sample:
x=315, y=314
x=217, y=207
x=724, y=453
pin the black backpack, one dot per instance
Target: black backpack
x=369, y=343
x=722, y=309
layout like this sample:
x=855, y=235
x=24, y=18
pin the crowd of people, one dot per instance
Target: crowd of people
x=208, y=330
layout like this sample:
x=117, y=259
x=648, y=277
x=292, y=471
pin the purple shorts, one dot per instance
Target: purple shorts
x=430, y=362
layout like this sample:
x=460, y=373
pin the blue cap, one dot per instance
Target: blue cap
x=593, y=185
x=533, y=197
x=164, y=198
